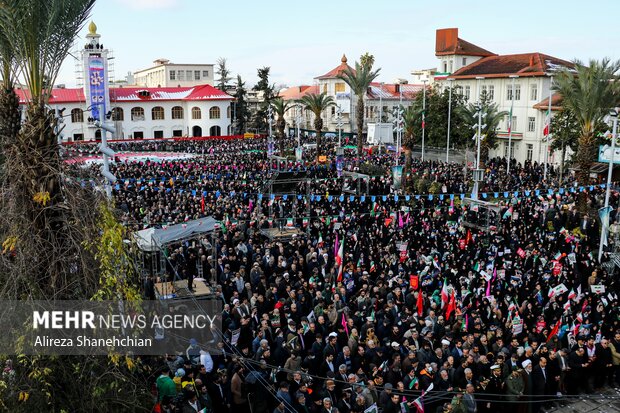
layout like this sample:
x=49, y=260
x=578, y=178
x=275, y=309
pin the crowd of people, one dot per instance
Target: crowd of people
x=390, y=299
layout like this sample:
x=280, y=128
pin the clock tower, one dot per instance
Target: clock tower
x=96, y=84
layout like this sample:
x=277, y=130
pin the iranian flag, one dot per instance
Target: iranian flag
x=547, y=123
x=510, y=120
x=451, y=305
x=444, y=293
x=340, y=261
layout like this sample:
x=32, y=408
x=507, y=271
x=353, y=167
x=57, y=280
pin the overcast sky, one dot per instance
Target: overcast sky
x=300, y=40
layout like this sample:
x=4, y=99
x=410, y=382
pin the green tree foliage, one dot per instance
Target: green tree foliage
x=241, y=107
x=317, y=104
x=223, y=73
x=280, y=107
x=259, y=117
x=367, y=60
x=589, y=91
x=491, y=118
x=359, y=80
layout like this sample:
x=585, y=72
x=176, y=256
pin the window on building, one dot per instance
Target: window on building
x=196, y=113
x=513, y=126
x=78, y=136
x=530, y=151
x=157, y=113
x=118, y=114
x=214, y=112
x=177, y=133
x=512, y=150
x=450, y=67
x=467, y=92
x=205, y=73
x=188, y=74
x=77, y=116
x=445, y=67
x=177, y=112
x=173, y=75
x=464, y=61
x=181, y=75
x=137, y=114
x=339, y=87
x=138, y=135
x=531, y=124
x=533, y=92
x=517, y=92
x=491, y=92
x=158, y=134
x=196, y=74
x=325, y=88
x=483, y=89
x=229, y=112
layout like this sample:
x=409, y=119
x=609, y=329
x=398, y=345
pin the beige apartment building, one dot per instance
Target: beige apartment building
x=166, y=74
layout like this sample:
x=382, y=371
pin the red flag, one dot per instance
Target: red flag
x=413, y=282
x=420, y=303
x=444, y=293
x=468, y=238
x=344, y=324
x=340, y=261
x=451, y=306
x=202, y=203
x=555, y=330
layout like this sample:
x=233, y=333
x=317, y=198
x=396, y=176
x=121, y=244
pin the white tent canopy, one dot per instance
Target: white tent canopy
x=152, y=239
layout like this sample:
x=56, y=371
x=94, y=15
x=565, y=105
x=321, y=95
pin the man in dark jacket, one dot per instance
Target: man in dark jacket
x=539, y=383
x=603, y=365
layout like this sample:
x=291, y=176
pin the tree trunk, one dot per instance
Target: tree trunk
x=562, y=163
x=281, y=125
x=10, y=121
x=359, y=115
x=318, y=126
x=585, y=159
x=406, y=168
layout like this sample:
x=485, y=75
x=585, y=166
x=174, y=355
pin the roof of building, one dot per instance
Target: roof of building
x=448, y=43
x=525, y=64
x=132, y=94
x=297, y=92
x=392, y=91
x=556, y=103
x=337, y=70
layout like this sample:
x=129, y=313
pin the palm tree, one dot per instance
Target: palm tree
x=280, y=106
x=9, y=102
x=359, y=79
x=317, y=104
x=491, y=118
x=589, y=92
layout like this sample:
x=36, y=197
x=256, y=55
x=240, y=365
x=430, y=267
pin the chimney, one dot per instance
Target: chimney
x=445, y=39
x=531, y=60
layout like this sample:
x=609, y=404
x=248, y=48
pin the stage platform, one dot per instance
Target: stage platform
x=178, y=289
x=284, y=234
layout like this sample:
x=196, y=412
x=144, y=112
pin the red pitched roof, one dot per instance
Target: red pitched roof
x=448, y=43
x=337, y=70
x=297, y=92
x=556, y=103
x=131, y=94
x=526, y=64
x=58, y=96
x=392, y=90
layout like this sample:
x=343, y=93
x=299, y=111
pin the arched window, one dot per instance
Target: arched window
x=77, y=116
x=228, y=112
x=215, y=131
x=196, y=114
x=177, y=112
x=118, y=114
x=157, y=113
x=214, y=113
x=137, y=113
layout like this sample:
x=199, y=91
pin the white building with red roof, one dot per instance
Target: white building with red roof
x=381, y=98
x=474, y=70
x=137, y=112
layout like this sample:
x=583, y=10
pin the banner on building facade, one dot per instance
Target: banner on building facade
x=344, y=101
x=96, y=81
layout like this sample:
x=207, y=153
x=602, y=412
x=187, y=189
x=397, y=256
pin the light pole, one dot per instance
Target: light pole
x=548, y=127
x=478, y=173
x=398, y=122
x=339, y=124
x=423, y=115
x=450, y=81
x=270, y=139
x=298, y=120
x=512, y=104
x=613, y=115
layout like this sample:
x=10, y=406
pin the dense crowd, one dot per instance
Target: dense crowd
x=389, y=299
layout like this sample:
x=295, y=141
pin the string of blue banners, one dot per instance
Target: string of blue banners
x=373, y=198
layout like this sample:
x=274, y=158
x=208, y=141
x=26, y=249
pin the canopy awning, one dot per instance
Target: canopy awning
x=152, y=239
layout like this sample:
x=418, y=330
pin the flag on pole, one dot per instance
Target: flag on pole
x=444, y=293
x=202, y=204
x=340, y=261
x=451, y=305
x=420, y=303
x=555, y=330
x=510, y=120
x=336, y=246
x=344, y=324
x=547, y=123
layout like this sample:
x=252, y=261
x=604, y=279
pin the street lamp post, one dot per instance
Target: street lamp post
x=548, y=127
x=478, y=174
x=270, y=139
x=423, y=115
x=298, y=120
x=339, y=124
x=450, y=81
x=613, y=115
x=512, y=104
x=398, y=122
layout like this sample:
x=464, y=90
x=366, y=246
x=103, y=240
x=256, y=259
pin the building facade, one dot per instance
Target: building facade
x=166, y=74
x=136, y=112
x=472, y=70
x=380, y=101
